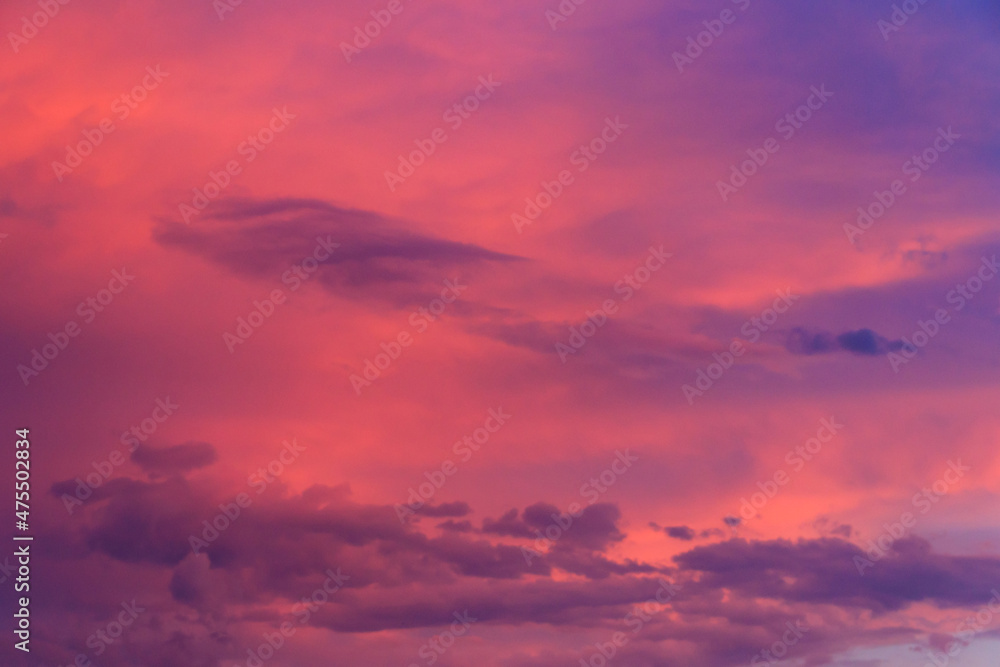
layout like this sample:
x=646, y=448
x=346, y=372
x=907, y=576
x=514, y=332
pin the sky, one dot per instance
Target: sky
x=505, y=334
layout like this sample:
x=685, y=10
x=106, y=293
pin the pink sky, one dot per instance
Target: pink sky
x=622, y=352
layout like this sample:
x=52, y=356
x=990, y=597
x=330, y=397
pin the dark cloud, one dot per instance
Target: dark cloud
x=457, y=526
x=863, y=341
x=843, y=530
x=508, y=524
x=680, y=532
x=147, y=522
x=829, y=571
x=72, y=490
x=375, y=256
x=827, y=527
x=176, y=459
x=594, y=566
x=528, y=334
x=283, y=537
x=595, y=528
x=801, y=341
x=281, y=546
x=505, y=602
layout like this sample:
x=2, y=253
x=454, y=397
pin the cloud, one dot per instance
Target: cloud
x=825, y=571
x=281, y=546
x=377, y=257
x=595, y=528
x=456, y=526
x=508, y=524
x=680, y=532
x=147, y=522
x=863, y=342
x=176, y=459
x=132, y=522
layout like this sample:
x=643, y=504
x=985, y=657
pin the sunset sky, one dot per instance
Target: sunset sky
x=504, y=333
